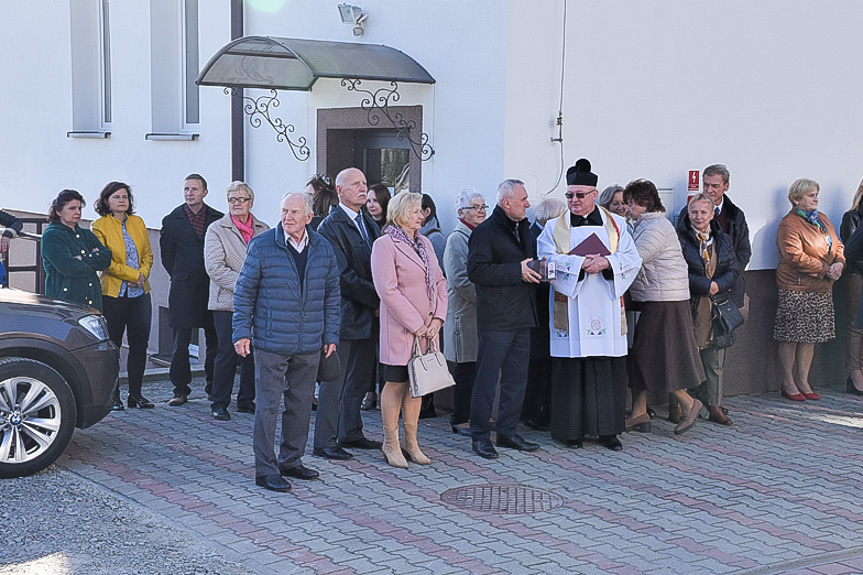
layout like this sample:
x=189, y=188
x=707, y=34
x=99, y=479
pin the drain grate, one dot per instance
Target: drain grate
x=504, y=499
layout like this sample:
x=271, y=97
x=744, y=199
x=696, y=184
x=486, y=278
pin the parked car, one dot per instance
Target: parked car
x=57, y=371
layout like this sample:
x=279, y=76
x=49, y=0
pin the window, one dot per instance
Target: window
x=173, y=69
x=90, y=34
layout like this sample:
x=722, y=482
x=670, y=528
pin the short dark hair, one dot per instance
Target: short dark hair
x=428, y=204
x=198, y=177
x=109, y=190
x=63, y=198
x=643, y=193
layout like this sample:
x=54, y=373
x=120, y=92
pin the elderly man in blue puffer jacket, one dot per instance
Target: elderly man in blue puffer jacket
x=286, y=306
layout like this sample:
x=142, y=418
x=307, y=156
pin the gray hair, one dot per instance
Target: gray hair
x=506, y=189
x=548, y=209
x=340, y=178
x=607, y=195
x=717, y=170
x=465, y=196
x=237, y=185
x=800, y=188
x=307, y=200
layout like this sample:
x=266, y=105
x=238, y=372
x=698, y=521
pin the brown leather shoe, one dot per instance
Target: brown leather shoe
x=675, y=413
x=718, y=416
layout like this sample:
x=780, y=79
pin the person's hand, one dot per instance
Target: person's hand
x=243, y=346
x=594, y=264
x=434, y=328
x=714, y=289
x=422, y=331
x=141, y=280
x=528, y=274
x=329, y=349
x=4, y=244
x=835, y=271
x=79, y=258
x=95, y=250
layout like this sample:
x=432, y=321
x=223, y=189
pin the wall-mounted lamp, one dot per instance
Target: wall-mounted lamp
x=351, y=14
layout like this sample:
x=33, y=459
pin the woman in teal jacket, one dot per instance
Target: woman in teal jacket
x=71, y=255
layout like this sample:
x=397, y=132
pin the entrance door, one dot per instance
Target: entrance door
x=383, y=158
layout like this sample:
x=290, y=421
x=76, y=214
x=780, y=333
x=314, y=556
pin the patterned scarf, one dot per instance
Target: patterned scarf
x=704, y=241
x=247, y=230
x=812, y=218
x=396, y=232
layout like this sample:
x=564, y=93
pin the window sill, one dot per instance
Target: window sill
x=89, y=134
x=177, y=136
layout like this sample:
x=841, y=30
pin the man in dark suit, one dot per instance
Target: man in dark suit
x=338, y=422
x=498, y=253
x=182, y=250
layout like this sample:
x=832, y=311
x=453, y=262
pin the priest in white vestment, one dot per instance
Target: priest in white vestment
x=595, y=261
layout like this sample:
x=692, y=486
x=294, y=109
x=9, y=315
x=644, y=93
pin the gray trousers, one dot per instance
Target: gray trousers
x=290, y=378
x=710, y=390
x=338, y=417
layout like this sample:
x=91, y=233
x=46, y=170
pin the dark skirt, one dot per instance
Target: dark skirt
x=664, y=356
x=804, y=317
x=394, y=373
x=588, y=397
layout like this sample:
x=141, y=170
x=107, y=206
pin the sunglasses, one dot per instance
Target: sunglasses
x=579, y=195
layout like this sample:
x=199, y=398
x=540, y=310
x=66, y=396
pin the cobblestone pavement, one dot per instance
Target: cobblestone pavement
x=776, y=493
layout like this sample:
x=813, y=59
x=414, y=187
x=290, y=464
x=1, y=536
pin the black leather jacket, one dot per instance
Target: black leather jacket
x=850, y=221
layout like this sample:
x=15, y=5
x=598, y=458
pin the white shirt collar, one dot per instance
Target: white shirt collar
x=722, y=203
x=299, y=246
x=351, y=214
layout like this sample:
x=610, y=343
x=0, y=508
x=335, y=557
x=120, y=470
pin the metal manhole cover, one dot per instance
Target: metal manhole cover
x=505, y=499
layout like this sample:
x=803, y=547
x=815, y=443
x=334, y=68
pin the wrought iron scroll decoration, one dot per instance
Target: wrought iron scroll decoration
x=377, y=104
x=258, y=111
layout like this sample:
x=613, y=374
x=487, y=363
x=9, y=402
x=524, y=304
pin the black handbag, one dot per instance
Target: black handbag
x=726, y=318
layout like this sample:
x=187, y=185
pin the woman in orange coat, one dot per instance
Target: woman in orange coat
x=812, y=258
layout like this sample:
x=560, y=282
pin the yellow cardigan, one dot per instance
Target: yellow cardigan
x=109, y=230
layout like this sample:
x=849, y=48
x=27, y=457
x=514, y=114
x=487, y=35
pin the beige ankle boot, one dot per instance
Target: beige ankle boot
x=392, y=450
x=412, y=448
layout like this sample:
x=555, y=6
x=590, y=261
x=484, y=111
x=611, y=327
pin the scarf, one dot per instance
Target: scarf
x=812, y=218
x=704, y=241
x=247, y=230
x=470, y=227
x=396, y=232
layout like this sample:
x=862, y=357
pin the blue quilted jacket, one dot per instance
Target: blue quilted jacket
x=272, y=310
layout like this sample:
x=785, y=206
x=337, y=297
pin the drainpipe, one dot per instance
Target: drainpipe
x=238, y=142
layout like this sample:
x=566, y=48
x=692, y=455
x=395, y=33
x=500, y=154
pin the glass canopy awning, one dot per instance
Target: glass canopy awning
x=296, y=64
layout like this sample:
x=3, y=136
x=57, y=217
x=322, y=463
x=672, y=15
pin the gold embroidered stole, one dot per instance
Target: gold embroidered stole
x=562, y=241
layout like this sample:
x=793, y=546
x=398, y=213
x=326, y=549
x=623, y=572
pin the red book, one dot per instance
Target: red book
x=591, y=245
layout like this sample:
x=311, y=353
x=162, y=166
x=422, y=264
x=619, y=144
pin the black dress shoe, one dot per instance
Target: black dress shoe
x=221, y=414
x=516, y=441
x=140, y=401
x=178, y=399
x=537, y=423
x=246, y=408
x=272, y=483
x=574, y=443
x=851, y=388
x=299, y=472
x=610, y=442
x=362, y=443
x=118, y=405
x=336, y=453
x=484, y=448
x=460, y=430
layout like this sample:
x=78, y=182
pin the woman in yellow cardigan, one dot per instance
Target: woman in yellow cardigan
x=125, y=289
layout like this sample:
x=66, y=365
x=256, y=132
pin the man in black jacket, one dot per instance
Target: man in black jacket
x=338, y=422
x=731, y=219
x=182, y=251
x=498, y=253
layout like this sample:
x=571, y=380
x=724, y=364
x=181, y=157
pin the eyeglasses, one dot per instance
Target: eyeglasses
x=239, y=200
x=483, y=207
x=579, y=195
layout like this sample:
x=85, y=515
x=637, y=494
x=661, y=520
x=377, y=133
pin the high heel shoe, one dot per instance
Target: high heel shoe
x=793, y=397
x=812, y=396
x=851, y=388
x=118, y=405
x=640, y=423
x=140, y=401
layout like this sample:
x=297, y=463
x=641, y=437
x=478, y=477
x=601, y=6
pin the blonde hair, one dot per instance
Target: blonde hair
x=400, y=207
x=700, y=198
x=800, y=188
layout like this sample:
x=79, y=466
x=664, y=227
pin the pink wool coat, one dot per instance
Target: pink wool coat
x=399, y=277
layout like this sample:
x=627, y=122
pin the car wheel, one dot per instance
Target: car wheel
x=37, y=416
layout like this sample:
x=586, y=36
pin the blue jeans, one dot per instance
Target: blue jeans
x=504, y=355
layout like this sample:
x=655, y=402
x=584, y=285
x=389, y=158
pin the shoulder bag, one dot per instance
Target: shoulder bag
x=726, y=318
x=428, y=372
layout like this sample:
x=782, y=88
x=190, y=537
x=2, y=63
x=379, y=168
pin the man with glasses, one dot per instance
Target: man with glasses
x=596, y=261
x=499, y=251
x=182, y=251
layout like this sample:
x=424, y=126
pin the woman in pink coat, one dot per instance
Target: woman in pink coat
x=412, y=289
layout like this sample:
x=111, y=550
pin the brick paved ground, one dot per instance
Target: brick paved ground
x=776, y=493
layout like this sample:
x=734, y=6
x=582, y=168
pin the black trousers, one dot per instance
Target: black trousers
x=464, y=375
x=181, y=371
x=132, y=316
x=225, y=367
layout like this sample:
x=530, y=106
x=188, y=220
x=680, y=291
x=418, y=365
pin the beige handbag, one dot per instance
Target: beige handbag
x=428, y=372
